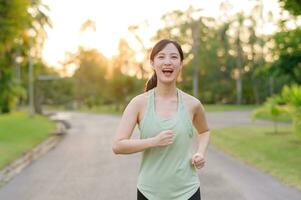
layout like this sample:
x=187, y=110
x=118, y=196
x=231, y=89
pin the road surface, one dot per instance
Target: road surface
x=83, y=166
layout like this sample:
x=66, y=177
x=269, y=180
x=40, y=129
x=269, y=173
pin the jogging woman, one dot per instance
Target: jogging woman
x=168, y=119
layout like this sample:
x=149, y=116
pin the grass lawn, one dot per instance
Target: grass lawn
x=223, y=107
x=20, y=133
x=209, y=108
x=278, y=155
x=281, y=118
x=110, y=109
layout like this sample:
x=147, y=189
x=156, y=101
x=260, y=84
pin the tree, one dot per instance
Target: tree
x=292, y=97
x=293, y=6
x=143, y=67
x=239, y=57
x=273, y=107
x=288, y=53
x=14, y=20
x=90, y=82
x=17, y=18
x=122, y=85
x=197, y=35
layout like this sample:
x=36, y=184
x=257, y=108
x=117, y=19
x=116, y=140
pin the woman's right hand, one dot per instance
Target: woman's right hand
x=164, y=138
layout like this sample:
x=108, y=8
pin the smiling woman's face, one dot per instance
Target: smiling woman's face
x=167, y=64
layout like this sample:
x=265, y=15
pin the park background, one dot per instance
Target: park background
x=239, y=55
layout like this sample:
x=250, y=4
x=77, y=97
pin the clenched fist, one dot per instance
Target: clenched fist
x=164, y=138
x=198, y=160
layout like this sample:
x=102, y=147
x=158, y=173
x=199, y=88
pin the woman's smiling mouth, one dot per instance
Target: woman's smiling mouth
x=167, y=71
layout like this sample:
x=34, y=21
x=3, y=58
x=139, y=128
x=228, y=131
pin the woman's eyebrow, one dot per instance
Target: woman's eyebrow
x=161, y=53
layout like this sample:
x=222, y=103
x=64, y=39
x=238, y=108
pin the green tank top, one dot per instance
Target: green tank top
x=166, y=173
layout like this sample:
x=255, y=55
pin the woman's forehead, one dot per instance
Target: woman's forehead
x=169, y=49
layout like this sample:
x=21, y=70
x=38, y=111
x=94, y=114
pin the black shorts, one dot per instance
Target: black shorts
x=195, y=196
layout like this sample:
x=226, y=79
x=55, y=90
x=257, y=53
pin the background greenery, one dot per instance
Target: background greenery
x=237, y=67
x=232, y=60
x=20, y=133
x=276, y=154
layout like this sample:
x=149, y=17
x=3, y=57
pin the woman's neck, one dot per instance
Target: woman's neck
x=166, y=90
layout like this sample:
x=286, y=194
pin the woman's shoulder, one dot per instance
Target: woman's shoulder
x=136, y=103
x=140, y=99
x=191, y=101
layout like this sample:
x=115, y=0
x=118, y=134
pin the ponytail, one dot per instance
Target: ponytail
x=151, y=83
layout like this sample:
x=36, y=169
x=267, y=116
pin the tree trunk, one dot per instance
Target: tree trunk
x=195, y=47
x=239, y=71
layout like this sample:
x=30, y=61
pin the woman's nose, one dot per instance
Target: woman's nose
x=167, y=61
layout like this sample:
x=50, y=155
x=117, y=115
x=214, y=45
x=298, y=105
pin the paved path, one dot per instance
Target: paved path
x=83, y=166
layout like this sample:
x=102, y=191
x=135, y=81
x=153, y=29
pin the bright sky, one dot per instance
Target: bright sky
x=112, y=20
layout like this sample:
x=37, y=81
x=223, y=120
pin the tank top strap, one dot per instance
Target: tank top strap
x=152, y=104
x=183, y=112
x=151, y=101
x=149, y=107
x=180, y=99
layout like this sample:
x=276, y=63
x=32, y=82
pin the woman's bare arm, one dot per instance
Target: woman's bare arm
x=123, y=144
x=200, y=123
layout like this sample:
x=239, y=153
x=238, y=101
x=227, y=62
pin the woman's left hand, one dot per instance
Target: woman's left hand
x=198, y=160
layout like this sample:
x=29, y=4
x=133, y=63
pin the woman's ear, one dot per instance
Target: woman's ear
x=181, y=65
x=152, y=64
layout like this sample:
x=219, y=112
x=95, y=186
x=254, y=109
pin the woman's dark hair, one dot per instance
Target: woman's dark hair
x=152, y=82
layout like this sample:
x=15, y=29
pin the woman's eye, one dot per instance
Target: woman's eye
x=174, y=57
x=160, y=57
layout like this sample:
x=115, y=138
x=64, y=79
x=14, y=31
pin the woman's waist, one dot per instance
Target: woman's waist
x=172, y=180
x=173, y=170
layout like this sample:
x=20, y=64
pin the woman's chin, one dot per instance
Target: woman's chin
x=167, y=80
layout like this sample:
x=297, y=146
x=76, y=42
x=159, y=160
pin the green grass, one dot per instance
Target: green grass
x=281, y=118
x=278, y=155
x=20, y=133
x=209, y=108
x=109, y=109
x=223, y=107
x=233, y=107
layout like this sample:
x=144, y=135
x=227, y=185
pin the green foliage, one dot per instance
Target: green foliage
x=89, y=77
x=14, y=19
x=17, y=17
x=228, y=107
x=289, y=101
x=292, y=96
x=58, y=91
x=10, y=91
x=287, y=48
x=122, y=88
x=223, y=50
x=273, y=107
x=269, y=107
x=293, y=6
